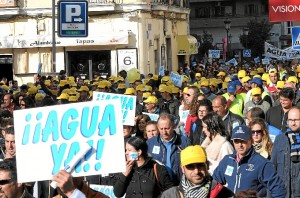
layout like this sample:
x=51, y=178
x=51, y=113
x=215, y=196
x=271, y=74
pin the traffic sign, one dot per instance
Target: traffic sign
x=247, y=53
x=73, y=18
x=296, y=38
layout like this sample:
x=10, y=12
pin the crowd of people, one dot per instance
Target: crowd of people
x=240, y=136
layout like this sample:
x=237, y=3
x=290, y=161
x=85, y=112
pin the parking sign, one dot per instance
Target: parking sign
x=73, y=18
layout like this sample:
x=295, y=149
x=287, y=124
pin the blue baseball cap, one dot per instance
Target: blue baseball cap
x=241, y=132
x=205, y=91
x=234, y=77
x=256, y=81
x=231, y=87
x=237, y=82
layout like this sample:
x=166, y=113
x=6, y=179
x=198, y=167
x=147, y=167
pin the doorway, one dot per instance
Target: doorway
x=6, y=66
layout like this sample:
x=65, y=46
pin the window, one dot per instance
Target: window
x=251, y=10
x=202, y=12
x=289, y=26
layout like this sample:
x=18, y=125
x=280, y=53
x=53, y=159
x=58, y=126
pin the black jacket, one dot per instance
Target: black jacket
x=197, y=135
x=277, y=118
x=231, y=121
x=141, y=182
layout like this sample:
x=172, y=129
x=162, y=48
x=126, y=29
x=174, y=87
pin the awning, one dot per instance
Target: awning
x=112, y=38
x=187, y=45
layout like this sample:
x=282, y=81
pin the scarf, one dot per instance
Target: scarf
x=257, y=146
x=190, y=191
x=294, y=137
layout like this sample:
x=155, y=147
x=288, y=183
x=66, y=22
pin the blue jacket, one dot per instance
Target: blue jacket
x=158, y=151
x=252, y=172
x=287, y=170
x=273, y=132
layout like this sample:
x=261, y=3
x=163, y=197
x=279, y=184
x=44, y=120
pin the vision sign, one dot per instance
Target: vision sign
x=284, y=10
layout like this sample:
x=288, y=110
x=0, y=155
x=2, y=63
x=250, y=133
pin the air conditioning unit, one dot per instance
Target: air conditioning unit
x=218, y=3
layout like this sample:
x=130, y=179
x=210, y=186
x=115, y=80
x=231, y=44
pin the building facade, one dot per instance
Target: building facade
x=121, y=34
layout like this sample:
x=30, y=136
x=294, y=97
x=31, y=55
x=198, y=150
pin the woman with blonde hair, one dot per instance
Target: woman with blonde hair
x=260, y=136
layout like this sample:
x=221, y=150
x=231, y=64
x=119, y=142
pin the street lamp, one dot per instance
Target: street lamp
x=246, y=32
x=227, y=23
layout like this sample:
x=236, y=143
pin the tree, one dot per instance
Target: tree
x=206, y=41
x=259, y=32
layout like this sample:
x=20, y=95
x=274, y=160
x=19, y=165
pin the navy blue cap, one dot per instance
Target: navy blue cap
x=234, y=77
x=256, y=81
x=231, y=87
x=237, y=82
x=205, y=91
x=241, y=132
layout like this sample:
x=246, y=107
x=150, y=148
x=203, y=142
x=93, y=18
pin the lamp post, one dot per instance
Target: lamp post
x=246, y=32
x=227, y=23
x=230, y=50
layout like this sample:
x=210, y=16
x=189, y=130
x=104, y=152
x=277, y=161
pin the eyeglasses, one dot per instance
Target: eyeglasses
x=256, y=131
x=194, y=166
x=293, y=120
x=5, y=181
x=188, y=95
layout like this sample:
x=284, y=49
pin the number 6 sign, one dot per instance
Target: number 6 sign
x=127, y=59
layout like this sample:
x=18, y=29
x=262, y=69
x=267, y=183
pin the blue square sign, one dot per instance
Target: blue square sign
x=296, y=38
x=73, y=18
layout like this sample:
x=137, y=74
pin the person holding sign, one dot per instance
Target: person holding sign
x=143, y=176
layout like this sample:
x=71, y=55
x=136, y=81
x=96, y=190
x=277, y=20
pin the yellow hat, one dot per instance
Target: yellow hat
x=298, y=75
x=146, y=94
x=121, y=86
x=72, y=91
x=63, y=83
x=203, y=78
x=265, y=77
x=155, y=77
x=175, y=90
x=212, y=83
x=246, y=79
x=73, y=84
x=292, y=79
x=95, y=83
x=67, y=91
x=204, y=83
x=64, y=96
x=185, y=89
x=298, y=69
x=117, y=79
x=280, y=84
x=30, y=84
x=83, y=88
x=170, y=83
x=140, y=87
x=242, y=74
x=39, y=96
x=198, y=75
x=224, y=85
x=253, y=73
x=219, y=81
x=129, y=91
x=273, y=71
x=260, y=70
x=192, y=155
x=148, y=88
x=165, y=89
x=221, y=74
x=15, y=92
x=165, y=79
x=32, y=90
x=86, y=81
x=108, y=83
x=102, y=85
x=73, y=99
x=146, y=80
x=151, y=99
x=5, y=87
x=47, y=82
x=227, y=79
x=257, y=76
x=256, y=91
x=71, y=78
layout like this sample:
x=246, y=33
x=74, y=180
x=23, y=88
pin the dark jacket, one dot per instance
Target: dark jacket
x=231, y=121
x=287, y=170
x=252, y=172
x=158, y=151
x=197, y=135
x=277, y=118
x=172, y=105
x=216, y=191
x=141, y=182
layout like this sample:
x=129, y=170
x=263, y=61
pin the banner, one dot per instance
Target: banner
x=107, y=190
x=265, y=61
x=296, y=38
x=153, y=116
x=284, y=10
x=161, y=71
x=183, y=115
x=232, y=61
x=49, y=138
x=214, y=53
x=257, y=59
x=286, y=54
x=128, y=105
x=176, y=79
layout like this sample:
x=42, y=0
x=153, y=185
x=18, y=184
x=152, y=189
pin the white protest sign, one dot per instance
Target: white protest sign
x=128, y=104
x=107, y=190
x=183, y=114
x=161, y=71
x=265, y=61
x=48, y=138
x=176, y=79
x=153, y=116
x=214, y=53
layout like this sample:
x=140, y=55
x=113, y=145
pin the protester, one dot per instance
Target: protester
x=196, y=181
x=286, y=156
x=151, y=130
x=143, y=176
x=245, y=169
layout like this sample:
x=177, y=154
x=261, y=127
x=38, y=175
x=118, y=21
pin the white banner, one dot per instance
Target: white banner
x=153, y=116
x=116, y=38
x=128, y=105
x=286, y=54
x=214, y=53
x=48, y=138
x=176, y=79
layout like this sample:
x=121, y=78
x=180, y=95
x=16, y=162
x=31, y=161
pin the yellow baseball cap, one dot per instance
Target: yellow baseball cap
x=175, y=90
x=165, y=79
x=130, y=91
x=265, y=77
x=121, y=86
x=164, y=89
x=204, y=83
x=292, y=79
x=260, y=70
x=151, y=99
x=32, y=90
x=221, y=74
x=256, y=91
x=242, y=74
x=273, y=71
x=39, y=96
x=246, y=79
x=63, y=96
x=192, y=155
x=83, y=88
x=280, y=84
x=198, y=75
x=140, y=87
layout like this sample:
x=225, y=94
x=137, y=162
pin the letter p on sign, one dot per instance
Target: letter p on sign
x=72, y=11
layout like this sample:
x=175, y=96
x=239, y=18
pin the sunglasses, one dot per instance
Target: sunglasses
x=188, y=95
x=5, y=181
x=256, y=131
x=195, y=165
